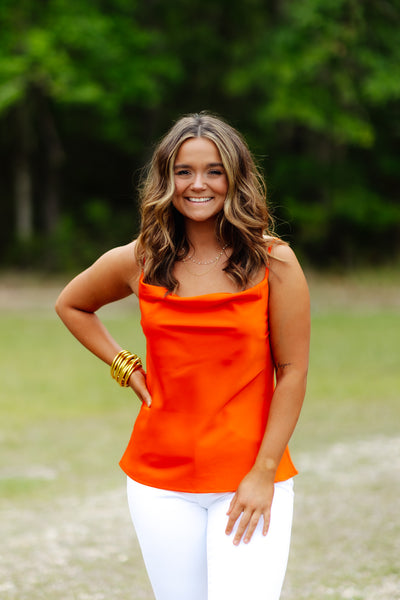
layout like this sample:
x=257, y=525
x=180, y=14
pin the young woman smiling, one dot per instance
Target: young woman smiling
x=225, y=311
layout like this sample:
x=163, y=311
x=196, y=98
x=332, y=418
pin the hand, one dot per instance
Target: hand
x=252, y=500
x=137, y=382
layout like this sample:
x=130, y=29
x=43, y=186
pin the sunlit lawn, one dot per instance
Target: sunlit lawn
x=60, y=408
x=65, y=423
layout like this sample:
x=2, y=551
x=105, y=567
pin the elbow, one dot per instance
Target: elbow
x=60, y=306
x=67, y=310
x=294, y=375
x=302, y=375
x=303, y=380
x=57, y=306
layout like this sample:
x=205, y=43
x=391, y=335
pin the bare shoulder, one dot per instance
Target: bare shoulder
x=283, y=262
x=120, y=263
x=113, y=276
x=289, y=308
x=122, y=258
x=287, y=282
x=282, y=251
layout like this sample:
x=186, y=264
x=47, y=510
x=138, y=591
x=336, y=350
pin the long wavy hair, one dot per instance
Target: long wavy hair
x=245, y=223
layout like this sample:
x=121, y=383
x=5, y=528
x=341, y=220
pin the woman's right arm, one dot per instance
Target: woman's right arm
x=112, y=277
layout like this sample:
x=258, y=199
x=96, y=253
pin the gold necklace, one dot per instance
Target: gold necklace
x=205, y=262
x=201, y=274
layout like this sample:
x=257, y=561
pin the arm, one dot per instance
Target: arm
x=289, y=319
x=113, y=276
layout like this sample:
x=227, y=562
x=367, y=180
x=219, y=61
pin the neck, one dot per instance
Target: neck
x=202, y=238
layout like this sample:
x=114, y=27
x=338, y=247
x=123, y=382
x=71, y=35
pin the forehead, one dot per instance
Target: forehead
x=198, y=150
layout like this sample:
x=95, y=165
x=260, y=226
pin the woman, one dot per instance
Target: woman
x=225, y=312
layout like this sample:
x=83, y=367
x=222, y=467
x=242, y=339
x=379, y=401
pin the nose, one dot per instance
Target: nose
x=198, y=182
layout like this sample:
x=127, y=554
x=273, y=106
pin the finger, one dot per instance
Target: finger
x=235, y=514
x=146, y=398
x=267, y=519
x=137, y=382
x=251, y=527
x=232, y=504
x=243, y=524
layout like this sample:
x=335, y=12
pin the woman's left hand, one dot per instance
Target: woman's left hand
x=252, y=500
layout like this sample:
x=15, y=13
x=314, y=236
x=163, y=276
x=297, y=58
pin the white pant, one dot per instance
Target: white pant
x=188, y=556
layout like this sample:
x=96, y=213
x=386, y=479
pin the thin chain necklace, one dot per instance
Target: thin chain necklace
x=205, y=262
x=206, y=272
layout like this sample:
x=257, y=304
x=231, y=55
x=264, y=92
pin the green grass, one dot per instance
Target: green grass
x=59, y=406
x=354, y=378
x=65, y=423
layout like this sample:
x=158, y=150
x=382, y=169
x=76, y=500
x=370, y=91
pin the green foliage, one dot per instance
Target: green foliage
x=66, y=386
x=323, y=66
x=75, y=243
x=78, y=54
x=65, y=424
x=314, y=85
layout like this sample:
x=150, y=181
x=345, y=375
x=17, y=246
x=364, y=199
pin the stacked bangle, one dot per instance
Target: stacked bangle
x=123, y=365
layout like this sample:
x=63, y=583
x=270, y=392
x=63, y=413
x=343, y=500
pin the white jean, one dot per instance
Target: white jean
x=188, y=556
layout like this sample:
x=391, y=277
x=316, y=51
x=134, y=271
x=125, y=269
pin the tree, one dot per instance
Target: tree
x=60, y=54
x=324, y=77
x=314, y=85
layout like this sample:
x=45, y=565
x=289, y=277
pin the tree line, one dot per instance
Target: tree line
x=86, y=88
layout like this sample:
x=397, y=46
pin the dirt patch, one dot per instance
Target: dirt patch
x=19, y=292
x=74, y=549
x=352, y=292
x=346, y=537
x=22, y=292
x=355, y=292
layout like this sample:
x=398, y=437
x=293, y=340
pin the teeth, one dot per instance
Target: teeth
x=199, y=200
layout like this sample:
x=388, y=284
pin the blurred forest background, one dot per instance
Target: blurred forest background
x=88, y=87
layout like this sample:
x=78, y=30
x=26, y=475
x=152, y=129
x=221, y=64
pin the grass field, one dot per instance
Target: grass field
x=66, y=532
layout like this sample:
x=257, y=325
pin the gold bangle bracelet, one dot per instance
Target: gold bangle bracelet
x=128, y=365
x=118, y=360
x=123, y=365
x=123, y=371
x=124, y=381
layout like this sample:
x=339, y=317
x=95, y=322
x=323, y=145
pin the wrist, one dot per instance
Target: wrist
x=267, y=466
x=123, y=366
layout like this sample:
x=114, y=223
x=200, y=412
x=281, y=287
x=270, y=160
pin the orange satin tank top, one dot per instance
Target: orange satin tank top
x=211, y=377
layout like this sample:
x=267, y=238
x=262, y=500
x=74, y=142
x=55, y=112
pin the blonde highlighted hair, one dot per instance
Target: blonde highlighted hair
x=244, y=224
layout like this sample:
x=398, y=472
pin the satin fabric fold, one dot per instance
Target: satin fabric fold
x=211, y=377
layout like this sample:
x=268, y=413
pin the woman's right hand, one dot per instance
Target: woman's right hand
x=137, y=382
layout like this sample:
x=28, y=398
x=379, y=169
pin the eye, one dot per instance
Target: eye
x=216, y=172
x=182, y=172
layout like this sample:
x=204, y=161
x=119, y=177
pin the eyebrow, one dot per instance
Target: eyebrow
x=184, y=166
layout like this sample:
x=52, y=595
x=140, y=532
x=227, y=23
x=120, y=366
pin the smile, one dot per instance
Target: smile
x=199, y=200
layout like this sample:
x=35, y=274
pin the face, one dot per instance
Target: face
x=201, y=183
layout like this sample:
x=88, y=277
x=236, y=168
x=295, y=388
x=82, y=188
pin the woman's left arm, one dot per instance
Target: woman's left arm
x=289, y=322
